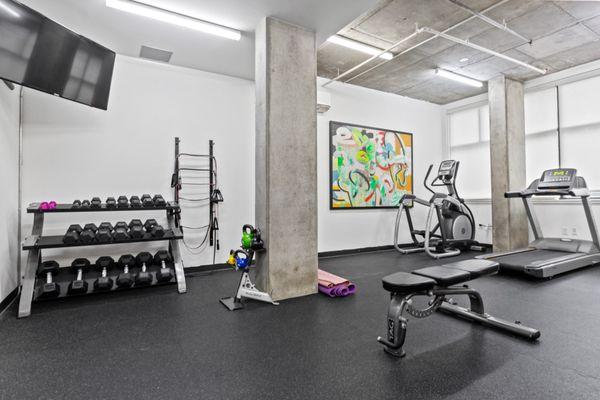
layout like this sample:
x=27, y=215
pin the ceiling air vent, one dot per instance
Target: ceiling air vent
x=150, y=53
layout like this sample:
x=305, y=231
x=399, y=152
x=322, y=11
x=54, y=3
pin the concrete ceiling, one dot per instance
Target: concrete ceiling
x=126, y=33
x=564, y=34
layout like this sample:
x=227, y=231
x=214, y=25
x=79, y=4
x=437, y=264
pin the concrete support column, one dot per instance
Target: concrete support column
x=507, y=147
x=286, y=158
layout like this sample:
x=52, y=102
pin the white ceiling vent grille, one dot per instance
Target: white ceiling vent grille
x=150, y=53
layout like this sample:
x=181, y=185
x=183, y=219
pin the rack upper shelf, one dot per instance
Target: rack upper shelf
x=34, y=208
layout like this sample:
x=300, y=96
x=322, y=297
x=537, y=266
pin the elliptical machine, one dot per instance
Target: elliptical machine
x=455, y=227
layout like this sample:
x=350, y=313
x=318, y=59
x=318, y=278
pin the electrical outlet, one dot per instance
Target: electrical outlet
x=565, y=231
x=574, y=232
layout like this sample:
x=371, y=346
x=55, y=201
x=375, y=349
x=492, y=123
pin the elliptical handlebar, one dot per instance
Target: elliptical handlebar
x=427, y=178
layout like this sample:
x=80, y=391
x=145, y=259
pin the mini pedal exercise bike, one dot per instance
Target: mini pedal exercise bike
x=242, y=259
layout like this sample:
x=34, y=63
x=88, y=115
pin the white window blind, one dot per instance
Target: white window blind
x=469, y=134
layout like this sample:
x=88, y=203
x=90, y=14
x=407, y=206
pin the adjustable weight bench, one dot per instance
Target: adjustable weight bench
x=438, y=283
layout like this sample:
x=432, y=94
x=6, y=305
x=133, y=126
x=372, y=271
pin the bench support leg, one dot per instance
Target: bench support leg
x=396, y=327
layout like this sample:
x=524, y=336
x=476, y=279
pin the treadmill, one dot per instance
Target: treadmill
x=546, y=257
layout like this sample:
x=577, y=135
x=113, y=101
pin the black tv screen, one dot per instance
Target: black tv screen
x=41, y=54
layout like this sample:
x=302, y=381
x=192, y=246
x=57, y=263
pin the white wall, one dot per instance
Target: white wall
x=9, y=178
x=350, y=229
x=75, y=152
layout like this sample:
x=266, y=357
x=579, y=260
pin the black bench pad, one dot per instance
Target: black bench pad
x=403, y=282
x=476, y=268
x=444, y=276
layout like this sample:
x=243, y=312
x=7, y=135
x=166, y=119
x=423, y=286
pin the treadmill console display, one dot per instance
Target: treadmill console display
x=563, y=178
x=447, y=169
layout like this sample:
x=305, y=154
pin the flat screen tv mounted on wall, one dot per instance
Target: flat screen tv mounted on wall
x=39, y=53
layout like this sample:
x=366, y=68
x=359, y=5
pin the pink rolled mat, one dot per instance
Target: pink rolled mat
x=335, y=286
x=327, y=279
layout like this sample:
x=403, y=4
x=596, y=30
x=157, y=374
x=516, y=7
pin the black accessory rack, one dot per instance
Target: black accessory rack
x=187, y=174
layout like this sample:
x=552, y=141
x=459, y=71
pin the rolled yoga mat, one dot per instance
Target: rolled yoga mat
x=335, y=286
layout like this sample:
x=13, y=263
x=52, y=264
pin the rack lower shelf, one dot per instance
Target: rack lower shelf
x=55, y=242
x=65, y=276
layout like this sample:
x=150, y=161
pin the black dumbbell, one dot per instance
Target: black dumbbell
x=135, y=202
x=104, y=283
x=164, y=274
x=122, y=202
x=124, y=280
x=111, y=202
x=143, y=260
x=106, y=225
x=136, y=229
x=72, y=234
x=79, y=286
x=104, y=234
x=147, y=201
x=96, y=202
x=153, y=228
x=120, y=231
x=88, y=235
x=47, y=270
x=76, y=204
x=86, y=204
x=159, y=201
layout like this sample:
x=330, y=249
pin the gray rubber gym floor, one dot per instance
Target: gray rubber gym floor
x=157, y=344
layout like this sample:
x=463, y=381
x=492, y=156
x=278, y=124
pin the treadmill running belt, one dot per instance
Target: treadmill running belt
x=518, y=261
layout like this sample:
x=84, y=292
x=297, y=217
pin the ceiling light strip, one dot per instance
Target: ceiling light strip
x=171, y=17
x=358, y=46
x=9, y=10
x=392, y=47
x=458, y=78
x=485, y=50
x=464, y=21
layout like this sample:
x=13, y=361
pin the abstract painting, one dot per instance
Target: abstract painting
x=370, y=167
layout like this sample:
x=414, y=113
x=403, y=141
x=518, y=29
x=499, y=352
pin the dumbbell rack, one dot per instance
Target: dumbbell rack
x=35, y=243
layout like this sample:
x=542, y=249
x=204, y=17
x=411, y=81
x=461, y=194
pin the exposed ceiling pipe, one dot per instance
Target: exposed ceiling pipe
x=392, y=47
x=484, y=50
x=464, y=21
x=489, y=20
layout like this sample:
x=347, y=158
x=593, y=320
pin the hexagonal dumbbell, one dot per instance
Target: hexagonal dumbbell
x=104, y=282
x=153, y=228
x=111, y=202
x=161, y=258
x=120, y=231
x=104, y=234
x=96, y=202
x=122, y=202
x=144, y=277
x=136, y=229
x=135, y=202
x=159, y=201
x=147, y=201
x=88, y=235
x=125, y=280
x=72, y=235
x=47, y=270
x=79, y=285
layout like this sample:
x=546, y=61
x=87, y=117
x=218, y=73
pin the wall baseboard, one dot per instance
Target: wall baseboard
x=354, y=251
x=8, y=300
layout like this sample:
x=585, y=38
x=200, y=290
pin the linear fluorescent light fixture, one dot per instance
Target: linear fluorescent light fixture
x=159, y=14
x=458, y=78
x=9, y=9
x=364, y=48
